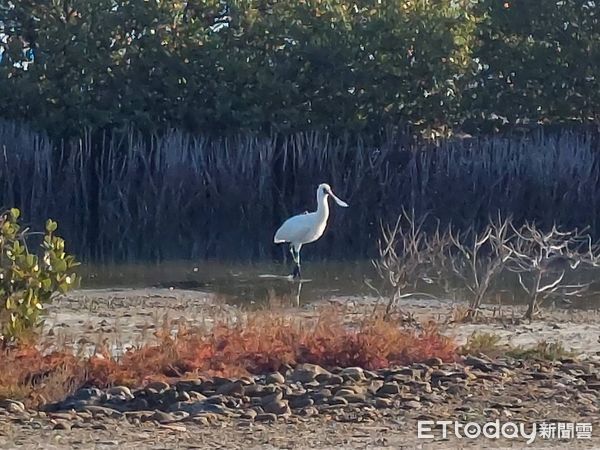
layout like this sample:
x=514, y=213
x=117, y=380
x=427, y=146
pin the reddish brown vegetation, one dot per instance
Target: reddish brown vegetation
x=27, y=373
x=262, y=343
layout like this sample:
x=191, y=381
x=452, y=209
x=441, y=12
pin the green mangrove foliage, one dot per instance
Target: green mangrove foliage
x=29, y=281
x=296, y=65
x=538, y=61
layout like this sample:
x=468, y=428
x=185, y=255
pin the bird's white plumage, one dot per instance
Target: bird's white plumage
x=301, y=229
x=308, y=227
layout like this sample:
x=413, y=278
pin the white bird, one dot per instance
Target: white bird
x=308, y=227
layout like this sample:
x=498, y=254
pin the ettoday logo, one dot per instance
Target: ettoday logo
x=427, y=429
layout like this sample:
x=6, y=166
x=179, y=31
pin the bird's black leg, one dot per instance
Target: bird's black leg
x=296, y=257
x=293, y=259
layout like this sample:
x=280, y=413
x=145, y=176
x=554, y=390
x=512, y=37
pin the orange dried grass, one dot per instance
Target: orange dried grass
x=263, y=342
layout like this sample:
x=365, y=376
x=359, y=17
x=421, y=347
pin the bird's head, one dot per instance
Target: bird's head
x=324, y=190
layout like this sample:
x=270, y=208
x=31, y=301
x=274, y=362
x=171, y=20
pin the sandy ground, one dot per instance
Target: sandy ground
x=309, y=435
x=125, y=317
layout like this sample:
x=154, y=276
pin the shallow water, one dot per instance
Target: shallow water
x=249, y=283
x=257, y=284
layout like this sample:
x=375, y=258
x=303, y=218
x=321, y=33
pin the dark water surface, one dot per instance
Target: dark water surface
x=256, y=284
x=240, y=283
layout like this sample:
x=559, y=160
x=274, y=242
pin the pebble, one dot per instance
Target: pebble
x=216, y=399
x=388, y=389
x=231, y=388
x=14, y=407
x=171, y=427
x=275, y=378
x=195, y=408
x=271, y=398
x=343, y=394
x=412, y=404
x=433, y=362
x=279, y=407
x=301, y=402
x=200, y=420
x=352, y=397
x=383, y=403
x=265, y=417
x=162, y=417
x=333, y=380
x=62, y=425
x=249, y=414
x=87, y=393
x=189, y=385
x=353, y=373
x=304, y=373
x=102, y=411
x=158, y=386
x=62, y=415
x=309, y=412
x=123, y=391
x=335, y=401
x=478, y=363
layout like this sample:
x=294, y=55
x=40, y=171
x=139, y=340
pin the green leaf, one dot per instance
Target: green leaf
x=15, y=213
x=51, y=226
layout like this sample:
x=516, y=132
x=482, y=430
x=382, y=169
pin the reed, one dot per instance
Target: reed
x=125, y=196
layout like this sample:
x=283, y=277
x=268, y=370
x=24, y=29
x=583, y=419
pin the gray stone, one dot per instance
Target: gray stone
x=189, y=385
x=432, y=362
x=275, y=378
x=279, y=407
x=305, y=373
x=216, y=399
x=123, y=391
x=86, y=394
x=352, y=397
x=353, y=373
x=231, y=388
x=374, y=386
x=157, y=386
x=13, y=406
x=266, y=417
x=478, y=363
x=309, y=412
x=336, y=401
x=164, y=417
x=301, y=402
x=412, y=404
x=334, y=380
x=388, y=389
x=102, y=411
x=249, y=414
x=62, y=425
x=271, y=398
x=195, y=408
x=383, y=403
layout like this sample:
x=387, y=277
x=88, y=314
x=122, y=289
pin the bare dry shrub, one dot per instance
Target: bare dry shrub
x=475, y=260
x=542, y=261
x=408, y=256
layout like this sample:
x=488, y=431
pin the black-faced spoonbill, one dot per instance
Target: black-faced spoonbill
x=308, y=227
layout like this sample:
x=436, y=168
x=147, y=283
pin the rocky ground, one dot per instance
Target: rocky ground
x=308, y=406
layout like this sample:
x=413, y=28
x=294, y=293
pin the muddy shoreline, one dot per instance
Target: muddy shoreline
x=125, y=317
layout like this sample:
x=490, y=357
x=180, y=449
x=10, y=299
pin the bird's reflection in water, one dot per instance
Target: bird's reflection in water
x=285, y=295
x=297, y=297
